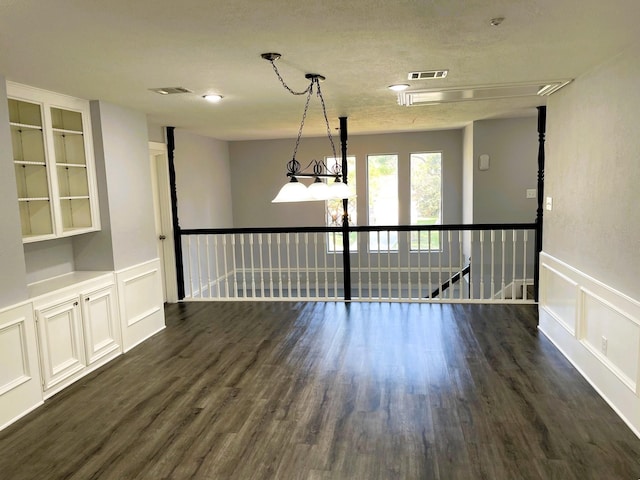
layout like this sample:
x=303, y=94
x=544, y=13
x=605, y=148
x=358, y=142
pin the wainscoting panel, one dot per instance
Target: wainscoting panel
x=559, y=295
x=141, y=304
x=604, y=343
x=20, y=389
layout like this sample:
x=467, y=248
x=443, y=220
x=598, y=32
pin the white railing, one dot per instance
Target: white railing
x=445, y=263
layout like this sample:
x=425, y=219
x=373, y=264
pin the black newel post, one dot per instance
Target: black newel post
x=346, y=255
x=177, y=238
x=542, y=121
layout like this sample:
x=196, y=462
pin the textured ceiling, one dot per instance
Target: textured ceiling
x=116, y=50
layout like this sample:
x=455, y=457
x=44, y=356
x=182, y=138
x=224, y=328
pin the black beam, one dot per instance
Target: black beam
x=346, y=250
x=542, y=122
x=177, y=237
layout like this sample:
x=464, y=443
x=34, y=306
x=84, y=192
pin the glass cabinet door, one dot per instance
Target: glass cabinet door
x=71, y=169
x=30, y=163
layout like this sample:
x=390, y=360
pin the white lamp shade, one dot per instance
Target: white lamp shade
x=339, y=190
x=292, y=192
x=319, y=191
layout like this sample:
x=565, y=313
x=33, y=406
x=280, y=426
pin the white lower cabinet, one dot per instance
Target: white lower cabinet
x=78, y=330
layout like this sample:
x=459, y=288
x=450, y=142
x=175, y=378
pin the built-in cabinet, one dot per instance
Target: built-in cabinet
x=53, y=162
x=77, y=326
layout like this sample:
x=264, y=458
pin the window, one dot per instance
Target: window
x=426, y=198
x=334, y=209
x=382, y=185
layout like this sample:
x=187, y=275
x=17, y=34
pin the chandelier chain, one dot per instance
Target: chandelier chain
x=293, y=92
x=304, y=116
x=326, y=121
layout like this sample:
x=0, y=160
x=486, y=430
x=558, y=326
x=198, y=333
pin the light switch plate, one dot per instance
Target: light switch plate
x=549, y=203
x=531, y=193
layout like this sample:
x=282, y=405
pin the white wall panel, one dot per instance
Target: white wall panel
x=20, y=390
x=613, y=335
x=141, y=303
x=606, y=345
x=559, y=295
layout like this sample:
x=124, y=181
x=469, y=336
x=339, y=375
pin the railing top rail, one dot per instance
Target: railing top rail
x=362, y=228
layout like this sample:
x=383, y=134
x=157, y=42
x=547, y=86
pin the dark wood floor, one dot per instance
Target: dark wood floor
x=329, y=391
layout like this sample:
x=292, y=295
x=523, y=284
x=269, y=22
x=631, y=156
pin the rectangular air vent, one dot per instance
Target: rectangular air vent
x=170, y=90
x=428, y=75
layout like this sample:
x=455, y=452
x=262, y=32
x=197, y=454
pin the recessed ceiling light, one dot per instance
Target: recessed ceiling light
x=398, y=87
x=212, y=98
x=496, y=21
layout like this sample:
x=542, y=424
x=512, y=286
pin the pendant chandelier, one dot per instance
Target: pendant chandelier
x=295, y=191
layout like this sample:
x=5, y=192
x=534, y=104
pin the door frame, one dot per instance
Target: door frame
x=159, y=164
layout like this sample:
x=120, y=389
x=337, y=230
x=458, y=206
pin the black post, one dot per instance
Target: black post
x=542, y=122
x=177, y=237
x=346, y=253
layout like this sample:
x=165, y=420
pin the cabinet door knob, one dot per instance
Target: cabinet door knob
x=162, y=237
x=75, y=304
x=87, y=299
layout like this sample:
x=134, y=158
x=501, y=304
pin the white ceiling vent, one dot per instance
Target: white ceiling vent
x=488, y=92
x=428, y=75
x=170, y=90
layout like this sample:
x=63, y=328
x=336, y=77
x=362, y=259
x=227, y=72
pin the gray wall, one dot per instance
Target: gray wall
x=258, y=170
x=122, y=135
x=13, y=283
x=203, y=181
x=499, y=194
x=593, y=174
x=156, y=133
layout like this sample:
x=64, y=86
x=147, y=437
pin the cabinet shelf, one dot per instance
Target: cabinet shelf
x=77, y=197
x=72, y=165
x=26, y=162
x=25, y=126
x=34, y=199
x=67, y=132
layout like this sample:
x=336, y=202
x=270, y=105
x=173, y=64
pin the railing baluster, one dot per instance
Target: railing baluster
x=429, y=262
x=315, y=262
x=253, y=271
x=206, y=244
x=389, y=264
x=270, y=257
x=280, y=288
x=244, y=268
x=450, y=265
x=335, y=267
x=504, y=243
x=226, y=267
x=471, y=242
x=217, y=265
x=368, y=234
x=409, y=285
x=306, y=261
x=481, y=264
x=461, y=265
x=379, y=268
x=189, y=267
x=420, y=265
x=493, y=264
x=514, y=238
x=326, y=265
x=298, y=264
x=440, y=253
x=235, y=266
x=288, y=243
x=199, y=260
x=525, y=294
x=398, y=256
x=261, y=257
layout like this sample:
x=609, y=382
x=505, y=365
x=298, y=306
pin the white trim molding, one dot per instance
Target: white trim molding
x=140, y=301
x=598, y=329
x=20, y=390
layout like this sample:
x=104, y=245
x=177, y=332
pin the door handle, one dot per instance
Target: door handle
x=162, y=237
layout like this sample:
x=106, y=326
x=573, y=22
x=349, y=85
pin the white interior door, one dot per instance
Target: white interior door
x=163, y=219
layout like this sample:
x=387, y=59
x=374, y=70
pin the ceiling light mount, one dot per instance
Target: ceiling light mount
x=294, y=191
x=494, y=22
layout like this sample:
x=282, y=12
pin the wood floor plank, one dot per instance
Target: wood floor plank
x=317, y=391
